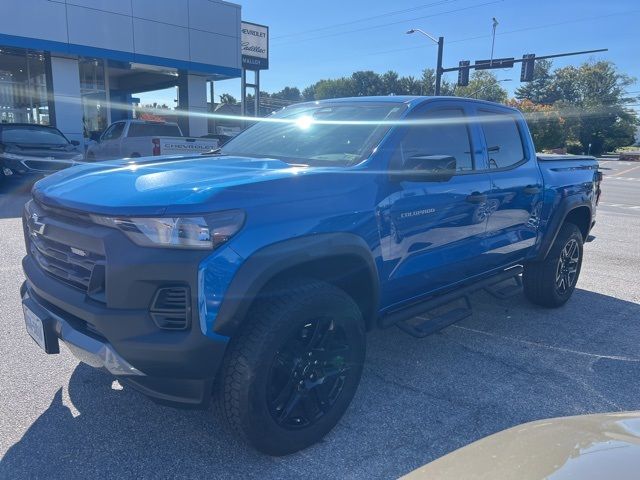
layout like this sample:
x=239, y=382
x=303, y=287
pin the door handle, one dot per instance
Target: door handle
x=531, y=190
x=476, y=197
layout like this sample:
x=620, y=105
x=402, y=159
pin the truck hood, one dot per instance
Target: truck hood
x=149, y=186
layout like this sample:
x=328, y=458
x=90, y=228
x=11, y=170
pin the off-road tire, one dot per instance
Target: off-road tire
x=540, y=279
x=243, y=396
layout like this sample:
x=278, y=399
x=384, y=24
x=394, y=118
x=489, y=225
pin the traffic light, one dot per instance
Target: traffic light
x=528, y=64
x=463, y=73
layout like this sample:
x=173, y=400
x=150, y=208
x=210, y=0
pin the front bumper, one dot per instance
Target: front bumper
x=36, y=166
x=105, y=317
x=178, y=374
x=86, y=348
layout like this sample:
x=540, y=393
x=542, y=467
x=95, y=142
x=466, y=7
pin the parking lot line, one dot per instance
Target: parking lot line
x=625, y=171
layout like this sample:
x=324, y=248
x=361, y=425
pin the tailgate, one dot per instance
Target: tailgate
x=186, y=145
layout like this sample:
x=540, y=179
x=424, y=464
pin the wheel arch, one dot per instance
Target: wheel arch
x=342, y=259
x=581, y=218
x=578, y=213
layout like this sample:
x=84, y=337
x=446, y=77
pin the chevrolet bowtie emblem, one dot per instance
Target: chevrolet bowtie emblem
x=38, y=227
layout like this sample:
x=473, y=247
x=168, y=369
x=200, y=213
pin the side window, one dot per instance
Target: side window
x=444, y=132
x=504, y=144
x=107, y=134
x=118, y=128
x=114, y=131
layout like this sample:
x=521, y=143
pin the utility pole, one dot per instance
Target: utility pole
x=440, y=42
x=439, y=66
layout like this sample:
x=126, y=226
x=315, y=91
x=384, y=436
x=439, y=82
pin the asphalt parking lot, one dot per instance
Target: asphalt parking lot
x=419, y=399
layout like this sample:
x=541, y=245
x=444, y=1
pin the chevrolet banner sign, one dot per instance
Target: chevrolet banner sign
x=255, y=46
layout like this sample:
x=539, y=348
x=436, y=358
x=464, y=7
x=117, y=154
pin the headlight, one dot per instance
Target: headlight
x=12, y=156
x=78, y=157
x=205, y=232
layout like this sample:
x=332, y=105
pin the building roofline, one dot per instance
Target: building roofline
x=86, y=51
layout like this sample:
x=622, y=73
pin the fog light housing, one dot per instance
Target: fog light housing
x=171, y=308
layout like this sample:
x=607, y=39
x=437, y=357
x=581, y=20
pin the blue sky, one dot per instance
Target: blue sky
x=332, y=38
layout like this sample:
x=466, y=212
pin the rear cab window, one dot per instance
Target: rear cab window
x=153, y=130
x=503, y=139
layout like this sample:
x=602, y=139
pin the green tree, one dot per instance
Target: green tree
x=228, y=99
x=410, y=86
x=334, y=88
x=366, y=83
x=541, y=89
x=483, y=85
x=592, y=99
x=309, y=93
x=429, y=84
x=391, y=83
x=291, y=94
x=545, y=124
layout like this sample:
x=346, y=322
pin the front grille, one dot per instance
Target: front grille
x=46, y=165
x=73, y=266
x=78, y=267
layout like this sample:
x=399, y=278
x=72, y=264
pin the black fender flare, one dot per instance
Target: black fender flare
x=269, y=261
x=556, y=222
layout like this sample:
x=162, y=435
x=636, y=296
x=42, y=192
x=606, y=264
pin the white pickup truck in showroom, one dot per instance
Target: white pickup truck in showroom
x=142, y=138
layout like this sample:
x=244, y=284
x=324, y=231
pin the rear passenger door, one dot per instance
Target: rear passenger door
x=515, y=199
x=432, y=231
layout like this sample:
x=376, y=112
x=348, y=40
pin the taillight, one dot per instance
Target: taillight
x=156, y=146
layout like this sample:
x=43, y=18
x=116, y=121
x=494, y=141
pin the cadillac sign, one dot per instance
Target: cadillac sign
x=255, y=46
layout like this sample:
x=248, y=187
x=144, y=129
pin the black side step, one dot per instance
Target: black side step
x=420, y=327
x=418, y=309
x=502, y=291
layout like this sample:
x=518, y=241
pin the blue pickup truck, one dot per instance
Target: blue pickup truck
x=250, y=275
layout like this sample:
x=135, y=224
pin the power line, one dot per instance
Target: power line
x=479, y=37
x=392, y=23
x=366, y=19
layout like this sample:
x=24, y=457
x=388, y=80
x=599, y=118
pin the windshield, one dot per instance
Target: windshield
x=340, y=134
x=32, y=135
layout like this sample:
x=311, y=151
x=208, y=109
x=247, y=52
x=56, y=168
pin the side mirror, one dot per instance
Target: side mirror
x=95, y=136
x=75, y=143
x=427, y=168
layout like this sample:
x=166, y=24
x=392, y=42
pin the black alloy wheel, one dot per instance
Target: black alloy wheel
x=568, y=264
x=308, y=374
x=292, y=371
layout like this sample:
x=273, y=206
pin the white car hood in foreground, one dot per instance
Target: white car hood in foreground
x=587, y=447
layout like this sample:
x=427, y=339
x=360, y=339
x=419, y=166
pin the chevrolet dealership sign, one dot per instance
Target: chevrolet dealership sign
x=255, y=46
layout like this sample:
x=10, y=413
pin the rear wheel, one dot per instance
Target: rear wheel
x=551, y=283
x=295, y=367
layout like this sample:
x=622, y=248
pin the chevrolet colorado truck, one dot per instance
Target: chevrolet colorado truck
x=143, y=138
x=250, y=275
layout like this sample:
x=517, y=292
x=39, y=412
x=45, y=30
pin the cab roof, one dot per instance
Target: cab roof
x=411, y=100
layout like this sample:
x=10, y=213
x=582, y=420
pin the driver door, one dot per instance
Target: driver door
x=432, y=229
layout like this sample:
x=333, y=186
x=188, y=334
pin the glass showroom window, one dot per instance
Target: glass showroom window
x=23, y=87
x=94, y=96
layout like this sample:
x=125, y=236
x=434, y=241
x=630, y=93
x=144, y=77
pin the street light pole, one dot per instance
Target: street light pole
x=439, y=66
x=439, y=69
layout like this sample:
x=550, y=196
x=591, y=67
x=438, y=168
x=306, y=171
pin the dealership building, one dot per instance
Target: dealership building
x=79, y=64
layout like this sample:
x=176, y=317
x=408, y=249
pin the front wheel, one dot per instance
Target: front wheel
x=551, y=283
x=295, y=367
